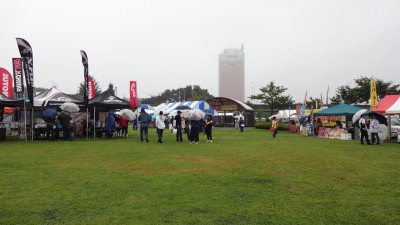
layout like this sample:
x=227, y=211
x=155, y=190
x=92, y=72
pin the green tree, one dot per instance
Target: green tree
x=188, y=93
x=97, y=89
x=360, y=91
x=272, y=95
x=259, y=114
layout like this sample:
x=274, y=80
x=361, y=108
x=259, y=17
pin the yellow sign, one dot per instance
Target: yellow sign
x=374, y=98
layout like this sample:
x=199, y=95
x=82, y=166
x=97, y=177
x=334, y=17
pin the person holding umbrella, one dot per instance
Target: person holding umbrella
x=363, y=128
x=374, y=125
x=144, y=119
x=65, y=121
x=208, y=128
x=178, y=126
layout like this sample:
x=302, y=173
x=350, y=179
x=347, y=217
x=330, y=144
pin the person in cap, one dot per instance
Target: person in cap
x=178, y=126
x=144, y=119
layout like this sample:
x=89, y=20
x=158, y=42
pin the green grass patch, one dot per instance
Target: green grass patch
x=240, y=178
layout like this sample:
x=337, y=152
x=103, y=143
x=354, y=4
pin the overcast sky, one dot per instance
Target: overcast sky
x=302, y=45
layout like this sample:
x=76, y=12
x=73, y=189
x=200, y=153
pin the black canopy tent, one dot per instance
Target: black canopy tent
x=105, y=102
x=7, y=102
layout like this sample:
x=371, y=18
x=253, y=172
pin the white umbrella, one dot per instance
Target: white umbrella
x=69, y=107
x=358, y=114
x=128, y=113
x=277, y=117
x=195, y=114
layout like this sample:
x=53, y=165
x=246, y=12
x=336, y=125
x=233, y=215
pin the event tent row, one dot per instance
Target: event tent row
x=202, y=105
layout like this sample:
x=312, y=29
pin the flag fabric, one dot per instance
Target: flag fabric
x=322, y=101
x=91, y=88
x=6, y=83
x=374, y=97
x=18, y=78
x=26, y=53
x=327, y=93
x=86, y=76
x=133, y=94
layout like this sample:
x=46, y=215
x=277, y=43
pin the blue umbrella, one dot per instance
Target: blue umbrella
x=49, y=113
x=145, y=106
x=303, y=119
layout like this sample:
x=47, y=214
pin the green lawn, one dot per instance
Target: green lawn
x=241, y=178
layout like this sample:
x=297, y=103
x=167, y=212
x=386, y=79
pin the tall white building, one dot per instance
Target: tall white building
x=231, y=74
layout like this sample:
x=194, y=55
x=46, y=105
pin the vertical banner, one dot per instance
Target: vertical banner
x=26, y=53
x=18, y=78
x=133, y=94
x=305, y=100
x=374, y=98
x=91, y=88
x=6, y=83
x=86, y=76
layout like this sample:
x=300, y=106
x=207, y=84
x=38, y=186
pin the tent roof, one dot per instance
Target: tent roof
x=53, y=97
x=390, y=104
x=5, y=101
x=181, y=105
x=109, y=101
x=339, y=110
x=217, y=102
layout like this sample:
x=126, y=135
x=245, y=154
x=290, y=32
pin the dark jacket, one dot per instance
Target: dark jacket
x=144, y=119
x=65, y=120
x=110, y=122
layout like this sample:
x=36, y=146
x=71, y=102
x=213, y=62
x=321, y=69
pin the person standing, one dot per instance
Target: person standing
x=160, y=124
x=178, y=126
x=236, y=124
x=50, y=129
x=274, y=125
x=363, y=128
x=241, y=124
x=144, y=119
x=374, y=125
x=123, y=121
x=208, y=129
x=194, y=131
x=65, y=121
x=110, y=125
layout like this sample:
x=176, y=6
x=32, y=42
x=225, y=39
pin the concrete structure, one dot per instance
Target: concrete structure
x=231, y=74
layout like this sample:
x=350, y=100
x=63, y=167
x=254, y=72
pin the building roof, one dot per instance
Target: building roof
x=218, y=101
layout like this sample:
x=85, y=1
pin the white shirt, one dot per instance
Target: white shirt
x=374, y=126
x=362, y=121
x=160, y=122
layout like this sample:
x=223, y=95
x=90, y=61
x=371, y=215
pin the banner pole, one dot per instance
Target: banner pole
x=26, y=137
x=87, y=123
x=94, y=122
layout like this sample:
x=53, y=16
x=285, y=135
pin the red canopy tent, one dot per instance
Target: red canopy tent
x=390, y=104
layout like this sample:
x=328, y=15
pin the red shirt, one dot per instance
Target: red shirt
x=123, y=121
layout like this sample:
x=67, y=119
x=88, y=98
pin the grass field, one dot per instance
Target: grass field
x=241, y=178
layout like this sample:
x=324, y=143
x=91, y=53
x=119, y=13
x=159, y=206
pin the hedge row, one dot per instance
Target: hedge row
x=267, y=125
